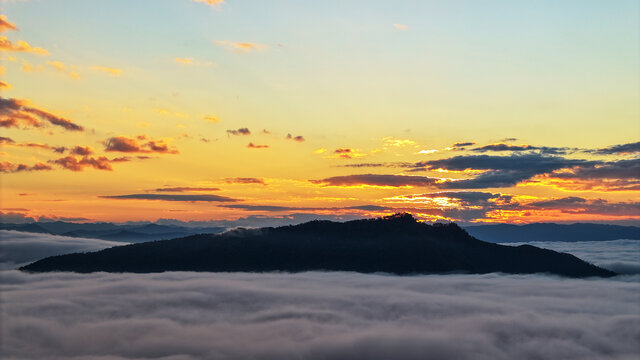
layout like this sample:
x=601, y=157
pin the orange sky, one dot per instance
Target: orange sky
x=197, y=110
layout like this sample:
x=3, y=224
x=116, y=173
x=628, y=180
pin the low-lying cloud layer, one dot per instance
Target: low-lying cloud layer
x=621, y=256
x=316, y=316
x=19, y=248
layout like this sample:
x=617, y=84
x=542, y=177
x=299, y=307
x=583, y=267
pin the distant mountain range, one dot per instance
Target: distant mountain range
x=113, y=232
x=506, y=233
x=396, y=244
x=498, y=233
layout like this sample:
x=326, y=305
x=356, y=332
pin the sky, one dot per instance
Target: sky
x=467, y=111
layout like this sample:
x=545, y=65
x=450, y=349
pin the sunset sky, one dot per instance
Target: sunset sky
x=467, y=111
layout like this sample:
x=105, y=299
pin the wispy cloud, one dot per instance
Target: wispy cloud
x=186, y=189
x=241, y=131
x=256, y=146
x=400, y=26
x=211, y=118
x=298, y=138
x=16, y=113
x=5, y=24
x=245, y=180
x=9, y=167
x=212, y=3
x=20, y=46
x=141, y=144
x=241, y=47
x=171, y=197
x=108, y=70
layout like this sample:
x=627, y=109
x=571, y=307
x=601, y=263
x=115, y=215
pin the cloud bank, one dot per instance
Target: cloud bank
x=19, y=248
x=316, y=316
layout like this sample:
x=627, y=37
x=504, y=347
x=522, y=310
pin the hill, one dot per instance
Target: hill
x=396, y=244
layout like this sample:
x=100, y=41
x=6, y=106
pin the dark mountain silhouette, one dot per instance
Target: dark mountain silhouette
x=110, y=231
x=396, y=244
x=505, y=233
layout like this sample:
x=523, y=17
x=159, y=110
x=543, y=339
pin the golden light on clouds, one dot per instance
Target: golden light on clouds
x=241, y=47
x=108, y=70
x=20, y=46
x=211, y=118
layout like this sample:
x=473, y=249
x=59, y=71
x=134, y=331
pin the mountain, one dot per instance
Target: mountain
x=505, y=233
x=110, y=231
x=396, y=244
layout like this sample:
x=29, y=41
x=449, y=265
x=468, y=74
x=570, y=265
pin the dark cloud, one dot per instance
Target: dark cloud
x=630, y=148
x=376, y=180
x=509, y=139
x=171, y=197
x=519, y=148
x=298, y=138
x=6, y=141
x=82, y=150
x=78, y=164
x=186, y=316
x=273, y=208
x=463, y=144
x=141, y=144
x=241, y=131
x=245, y=180
x=255, y=146
x=530, y=162
x=186, y=189
x=15, y=113
x=559, y=203
x=9, y=167
x=345, y=153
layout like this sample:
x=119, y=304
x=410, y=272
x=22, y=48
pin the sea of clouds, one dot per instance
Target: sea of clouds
x=621, y=256
x=315, y=315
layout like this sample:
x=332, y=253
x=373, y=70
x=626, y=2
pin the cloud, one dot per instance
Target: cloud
x=254, y=146
x=630, y=148
x=241, y=47
x=211, y=118
x=7, y=141
x=186, y=189
x=171, y=197
x=245, y=180
x=621, y=256
x=275, y=208
x=212, y=3
x=20, y=46
x=518, y=148
x=9, y=167
x=298, y=138
x=346, y=153
x=78, y=164
x=431, y=151
x=5, y=24
x=376, y=180
x=241, y=131
x=184, y=316
x=108, y=70
x=137, y=145
x=184, y=61
x=400, y=26
x=393, y=142
x=462, y=145
x=4, y=86
x=622, y=175
x=82, y=150
x=21, y=248
x=15, y=113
